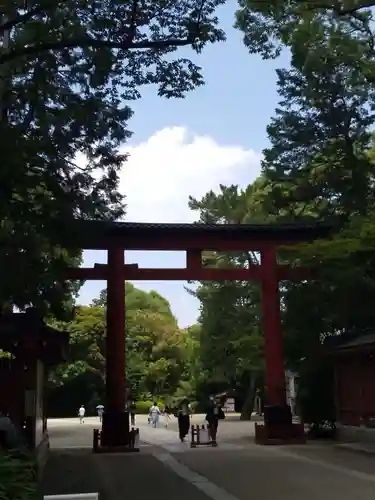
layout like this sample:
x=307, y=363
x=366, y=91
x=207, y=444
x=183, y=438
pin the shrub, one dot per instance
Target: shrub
x=143, y=407
x=18, y=478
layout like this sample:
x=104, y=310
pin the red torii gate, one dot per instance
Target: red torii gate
x=116, y=237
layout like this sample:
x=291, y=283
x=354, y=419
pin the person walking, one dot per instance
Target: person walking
x=213, y=415
x=167, y=416
x=183, y=417
x=81, y=414
x=100, y=410
x=154, y=415
x=133, y=408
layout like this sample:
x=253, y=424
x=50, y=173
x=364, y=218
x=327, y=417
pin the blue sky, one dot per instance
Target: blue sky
x=187, y=147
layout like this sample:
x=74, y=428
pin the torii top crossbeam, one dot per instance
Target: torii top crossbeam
x=100, y=235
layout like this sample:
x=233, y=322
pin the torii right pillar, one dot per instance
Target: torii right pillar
x=278, y=427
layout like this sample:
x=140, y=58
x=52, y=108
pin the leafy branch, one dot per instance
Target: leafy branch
x=125, y=44
x=94, y=43
x=8, y=24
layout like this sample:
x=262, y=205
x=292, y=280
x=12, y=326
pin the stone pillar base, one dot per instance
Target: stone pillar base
x=279, y=434
x=115, y=429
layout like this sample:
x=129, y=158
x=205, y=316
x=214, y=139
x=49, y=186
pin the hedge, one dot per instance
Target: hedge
x=143, y=407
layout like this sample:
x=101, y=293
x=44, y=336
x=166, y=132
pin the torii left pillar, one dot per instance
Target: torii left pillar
x=115, y=426
x=273, y=336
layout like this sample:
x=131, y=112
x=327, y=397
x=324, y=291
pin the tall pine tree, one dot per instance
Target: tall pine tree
x=318, y=160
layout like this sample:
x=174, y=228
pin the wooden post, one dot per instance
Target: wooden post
x=361, y=369
x=273, y=338
x=193, y=443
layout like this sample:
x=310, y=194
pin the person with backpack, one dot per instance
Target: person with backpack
x=213, y=415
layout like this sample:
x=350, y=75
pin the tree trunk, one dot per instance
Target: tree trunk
x=248, y=404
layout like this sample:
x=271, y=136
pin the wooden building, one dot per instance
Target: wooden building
x=29, y=347
x=354, y=361
x=353, y=357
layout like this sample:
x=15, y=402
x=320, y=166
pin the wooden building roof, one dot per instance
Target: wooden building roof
x=352, y=342
x=16, y=328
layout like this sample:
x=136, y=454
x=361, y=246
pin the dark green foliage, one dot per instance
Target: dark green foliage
x=18, y=475
x=231, y=343
x=269, y=27
x=68, y=71
x=319, y=165
x=316, y=398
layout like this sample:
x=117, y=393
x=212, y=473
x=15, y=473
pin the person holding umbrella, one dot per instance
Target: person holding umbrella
x=100, y=410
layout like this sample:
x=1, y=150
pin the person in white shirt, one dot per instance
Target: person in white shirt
x=81, y=414
x=154, y=414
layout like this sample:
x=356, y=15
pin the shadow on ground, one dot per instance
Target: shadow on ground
x=113, y=476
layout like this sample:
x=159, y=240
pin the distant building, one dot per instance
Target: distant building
x=227, y=400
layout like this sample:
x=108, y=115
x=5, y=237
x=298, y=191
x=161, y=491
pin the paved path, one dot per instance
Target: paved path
x=69, y=433
x=236, y=470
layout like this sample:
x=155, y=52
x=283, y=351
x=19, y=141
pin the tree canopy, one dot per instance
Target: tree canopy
x=69, y=71
x=231, y=342
x=157, y=355
x=319, y=165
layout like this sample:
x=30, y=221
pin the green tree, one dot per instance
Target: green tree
x=320, y=164
x=81, y=380
x=231, y=340
x=269, y=27
x=138, y=299
x=195, y=380
x=68, y=71
x=155, y=352
x=318, y=160
x=160, y=345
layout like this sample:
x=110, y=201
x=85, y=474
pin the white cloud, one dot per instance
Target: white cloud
x=157, y=180
x=172, y=164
